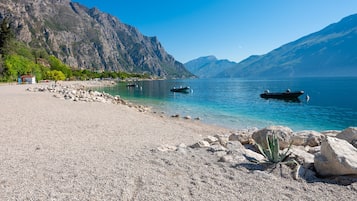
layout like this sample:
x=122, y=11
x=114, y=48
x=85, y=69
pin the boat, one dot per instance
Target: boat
x=131, y=85
x=180, y=89
x=287, y=95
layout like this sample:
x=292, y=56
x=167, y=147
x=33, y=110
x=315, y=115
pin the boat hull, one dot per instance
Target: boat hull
x=285, y=95
x=181, y=89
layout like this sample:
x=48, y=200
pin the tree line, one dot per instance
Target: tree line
x=17, y=59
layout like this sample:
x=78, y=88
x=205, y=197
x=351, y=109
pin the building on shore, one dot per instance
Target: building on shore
x=26, y=79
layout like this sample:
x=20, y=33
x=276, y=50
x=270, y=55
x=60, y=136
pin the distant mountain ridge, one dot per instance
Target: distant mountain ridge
x=88, y=38
x=208, y=66
x=331, y=51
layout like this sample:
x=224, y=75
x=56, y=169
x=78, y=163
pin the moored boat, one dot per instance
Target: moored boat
x=180, y=89
x=287, y=95
x=131, y=85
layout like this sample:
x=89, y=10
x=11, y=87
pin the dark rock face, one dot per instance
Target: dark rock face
x=88, y=38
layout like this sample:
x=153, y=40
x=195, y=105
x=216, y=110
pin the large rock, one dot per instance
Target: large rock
x=307, y=138
x=305, y=158
x=337, y=157
x=284, y=135
x=243, y=136
x=350, y=135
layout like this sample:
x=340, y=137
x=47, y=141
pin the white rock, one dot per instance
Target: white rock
x=337, y=157
x=305, y=157
x=166, y=148
x=211, y=139
x=244, y=138
x=217, y=148
x=222, y=139
x=349, y=134
x=201, y=144
x=307, y=138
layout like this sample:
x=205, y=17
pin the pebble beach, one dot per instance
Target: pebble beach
x=54, y=149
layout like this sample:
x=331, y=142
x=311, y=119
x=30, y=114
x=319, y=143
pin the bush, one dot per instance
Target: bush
x=56, y=64
x=55, y=75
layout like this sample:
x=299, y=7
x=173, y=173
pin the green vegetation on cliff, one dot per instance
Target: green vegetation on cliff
x=17, y=59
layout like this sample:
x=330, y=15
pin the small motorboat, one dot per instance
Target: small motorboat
x=131, y=85
x=180, y=89
x=287, y=95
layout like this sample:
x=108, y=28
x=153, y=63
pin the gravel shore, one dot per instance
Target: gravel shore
x=53, y=149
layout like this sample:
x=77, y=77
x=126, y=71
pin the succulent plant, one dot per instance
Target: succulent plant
x=272, y=152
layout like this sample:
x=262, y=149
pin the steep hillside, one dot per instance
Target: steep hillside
x=209, y=66
x=329, y=52
x=88, y=38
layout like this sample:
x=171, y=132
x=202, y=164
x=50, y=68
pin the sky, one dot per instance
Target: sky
x=227, y=29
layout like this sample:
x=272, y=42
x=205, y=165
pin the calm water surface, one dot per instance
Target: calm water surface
x=235, y=103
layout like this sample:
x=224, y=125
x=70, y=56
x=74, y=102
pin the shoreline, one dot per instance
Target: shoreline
x=222, y=118
x=56, y=149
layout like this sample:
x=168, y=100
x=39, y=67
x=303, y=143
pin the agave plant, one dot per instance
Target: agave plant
x=271, y=153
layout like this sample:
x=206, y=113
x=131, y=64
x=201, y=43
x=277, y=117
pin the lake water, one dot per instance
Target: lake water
x=236, y=104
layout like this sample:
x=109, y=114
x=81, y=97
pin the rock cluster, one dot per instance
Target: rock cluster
x=81, y=93
x=318, y=154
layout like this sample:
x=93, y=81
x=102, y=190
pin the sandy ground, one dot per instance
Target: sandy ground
x=53, y=149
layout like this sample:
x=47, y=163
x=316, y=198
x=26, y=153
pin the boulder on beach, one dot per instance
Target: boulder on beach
x=337, y=157
x=307, y=138
x=284, y=135
x=350, y=135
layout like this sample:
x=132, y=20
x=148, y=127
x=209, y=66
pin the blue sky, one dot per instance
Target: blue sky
x=227, y=29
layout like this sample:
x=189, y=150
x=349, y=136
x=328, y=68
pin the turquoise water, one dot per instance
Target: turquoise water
x=235, y=103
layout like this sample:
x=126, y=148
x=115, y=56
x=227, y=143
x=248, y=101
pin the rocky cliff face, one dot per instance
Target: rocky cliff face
x=88, y=38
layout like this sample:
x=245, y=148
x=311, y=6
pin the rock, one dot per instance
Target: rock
x=211, y=139
x=282, y=133
x=244, y=138
x=222, y=139
x=234, y=145
x=306, y=174
x=166, y=148
x=307, y=138
x=330, y=133
x=305, y=158
x=250, y=155
x=182, y=145
x=182, y=148
x=313, y=150
x=349, y=134
x=337, y=157
x=201, y=144
x=187, y=117
x=217, y=148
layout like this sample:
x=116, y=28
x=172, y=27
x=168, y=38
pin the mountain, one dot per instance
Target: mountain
x=331, y=51
x=87, y=38
x=209, y=66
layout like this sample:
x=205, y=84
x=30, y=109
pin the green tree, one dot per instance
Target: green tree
x=16, y=65
x=56, y=64
x=6, y=35
x=55, y=75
